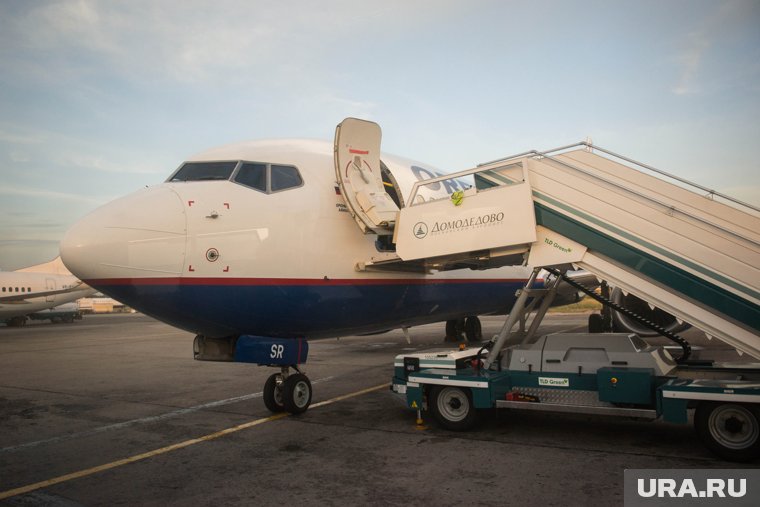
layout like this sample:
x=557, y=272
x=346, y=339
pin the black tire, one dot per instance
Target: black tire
x=296, y=393
x=273, y=393
x=730, y=430
x=452, y=407
x=595, y=323
x=454, y=330
x=473, y=330
x=16, y=322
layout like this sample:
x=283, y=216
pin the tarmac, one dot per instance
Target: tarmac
x=113, y=410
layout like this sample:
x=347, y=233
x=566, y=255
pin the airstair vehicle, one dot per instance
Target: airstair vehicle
x=683, y=248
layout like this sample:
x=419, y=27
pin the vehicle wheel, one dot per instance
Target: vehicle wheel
x=16, y=322
x=452, y=407
x=595, y=323
x=454, y=330
x=730, y=430
x=296, y=393
x=473, y=329
x=273, y=393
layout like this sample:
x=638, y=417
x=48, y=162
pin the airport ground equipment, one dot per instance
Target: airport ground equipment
x=683, y=248
x=66, y=313
x=688, y=250
x=613, y=374
x=17, y=321
x=692, y=255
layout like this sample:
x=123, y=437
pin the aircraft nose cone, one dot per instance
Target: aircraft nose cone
x=140, y=235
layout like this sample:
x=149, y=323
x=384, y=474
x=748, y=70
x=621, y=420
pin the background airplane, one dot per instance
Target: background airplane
x=254, y=247
x=36, y=288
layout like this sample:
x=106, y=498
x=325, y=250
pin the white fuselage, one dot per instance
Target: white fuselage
x=221, y=258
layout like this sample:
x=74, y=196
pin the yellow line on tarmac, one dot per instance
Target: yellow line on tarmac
x=181, y=445
x=350, y=395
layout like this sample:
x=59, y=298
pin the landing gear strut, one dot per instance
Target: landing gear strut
x=287, y=392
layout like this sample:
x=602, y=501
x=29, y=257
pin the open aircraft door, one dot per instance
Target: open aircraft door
x=357, y=168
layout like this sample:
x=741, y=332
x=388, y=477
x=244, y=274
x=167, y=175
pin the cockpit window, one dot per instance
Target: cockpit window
x=284, y=176
x=204, y=171
x=252, y=175
x=268, y=178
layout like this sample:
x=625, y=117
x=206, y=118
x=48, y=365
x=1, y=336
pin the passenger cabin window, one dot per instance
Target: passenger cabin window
x=204, y=171
x=268, y=178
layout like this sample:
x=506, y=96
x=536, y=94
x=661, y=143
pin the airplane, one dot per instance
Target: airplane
x=36, y=288
x=254, y=247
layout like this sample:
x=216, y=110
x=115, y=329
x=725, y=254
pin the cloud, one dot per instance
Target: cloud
x=17, y=156
x=32, y=242
x=747, y=193
x=339, y=107
x=690, y=61
x=201, y=41
x=719, y=32
x=55, y=149
x=11, y=190
x=100, y=164
x=15, y=138
x=20, y=253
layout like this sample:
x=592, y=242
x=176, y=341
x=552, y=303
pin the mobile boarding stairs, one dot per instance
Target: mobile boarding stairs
x=683, y=248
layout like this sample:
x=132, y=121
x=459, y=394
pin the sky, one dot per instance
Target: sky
x=101, y=98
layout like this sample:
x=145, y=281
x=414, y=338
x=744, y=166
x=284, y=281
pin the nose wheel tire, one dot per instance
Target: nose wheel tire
x=452, y=407
x=296, y=393
x=273, y=393
x=473, y=329
x=730, y=430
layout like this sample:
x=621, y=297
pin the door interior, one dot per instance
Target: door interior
x=359, y=175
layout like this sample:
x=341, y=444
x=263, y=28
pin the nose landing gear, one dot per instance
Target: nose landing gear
x=287, y=392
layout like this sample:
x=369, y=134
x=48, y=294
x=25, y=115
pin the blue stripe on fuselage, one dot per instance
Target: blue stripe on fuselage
x=309, y=310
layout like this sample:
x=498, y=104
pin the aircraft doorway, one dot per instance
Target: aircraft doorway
x=391, y=185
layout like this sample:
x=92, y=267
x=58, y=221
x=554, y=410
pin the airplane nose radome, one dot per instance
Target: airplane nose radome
x=140, y=235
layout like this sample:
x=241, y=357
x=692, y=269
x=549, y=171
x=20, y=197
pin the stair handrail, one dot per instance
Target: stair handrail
x=710, y=193
x=487, y=166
